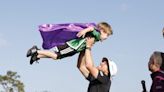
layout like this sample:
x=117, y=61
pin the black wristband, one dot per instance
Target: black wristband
x=89, y=48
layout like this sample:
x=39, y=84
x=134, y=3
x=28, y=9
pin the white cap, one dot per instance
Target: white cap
x=112, y=68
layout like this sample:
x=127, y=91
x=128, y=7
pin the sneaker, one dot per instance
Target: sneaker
x=32, y=50
x=34, y=58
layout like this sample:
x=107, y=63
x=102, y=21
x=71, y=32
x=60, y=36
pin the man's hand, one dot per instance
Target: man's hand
x=90, y=41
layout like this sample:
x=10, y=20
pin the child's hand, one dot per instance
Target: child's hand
x=81, y=34
x=90, y=41
x=84, y=31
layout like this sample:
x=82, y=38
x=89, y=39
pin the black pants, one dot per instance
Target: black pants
x=63, y=51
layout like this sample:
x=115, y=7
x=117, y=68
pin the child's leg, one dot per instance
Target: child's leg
x=42, y=56
x=46, y=54
x=56, y=52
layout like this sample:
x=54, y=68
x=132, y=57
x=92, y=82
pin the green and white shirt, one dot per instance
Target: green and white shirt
x=79, y=44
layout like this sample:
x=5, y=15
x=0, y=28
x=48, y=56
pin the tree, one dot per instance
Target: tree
x=10, y=82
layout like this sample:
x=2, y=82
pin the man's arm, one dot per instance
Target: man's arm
x=88, y=58
x=81, y=64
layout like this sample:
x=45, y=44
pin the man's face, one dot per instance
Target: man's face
x=103, y=66
x=151, y=64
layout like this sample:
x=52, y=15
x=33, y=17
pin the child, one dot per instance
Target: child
x=63, y=40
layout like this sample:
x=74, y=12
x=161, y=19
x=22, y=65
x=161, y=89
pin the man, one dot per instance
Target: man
x=157, y=75
x=162, y=66
x=99, y=77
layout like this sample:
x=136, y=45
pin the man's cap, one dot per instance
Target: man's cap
x=112, y=67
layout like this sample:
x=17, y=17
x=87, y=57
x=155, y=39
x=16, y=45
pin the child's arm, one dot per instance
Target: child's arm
x=84, y=31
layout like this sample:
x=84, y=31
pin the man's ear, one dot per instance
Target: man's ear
x=158, y=66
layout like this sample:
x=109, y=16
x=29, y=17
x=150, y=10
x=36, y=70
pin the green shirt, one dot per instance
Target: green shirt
x=79, y=44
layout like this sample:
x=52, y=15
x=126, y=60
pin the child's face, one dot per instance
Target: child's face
x=103, y=35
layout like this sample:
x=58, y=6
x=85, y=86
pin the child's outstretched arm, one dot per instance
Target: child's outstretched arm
x=84, y=31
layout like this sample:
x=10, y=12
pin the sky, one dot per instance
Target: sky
x=137, y=33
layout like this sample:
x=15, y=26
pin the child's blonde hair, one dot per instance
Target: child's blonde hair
x=107, y=28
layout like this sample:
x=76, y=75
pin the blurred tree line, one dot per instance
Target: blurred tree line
x=11, y=83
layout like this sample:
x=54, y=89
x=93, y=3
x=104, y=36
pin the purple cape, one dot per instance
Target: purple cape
x=58, y=34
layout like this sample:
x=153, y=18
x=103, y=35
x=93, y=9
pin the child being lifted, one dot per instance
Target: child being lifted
x=63, y=40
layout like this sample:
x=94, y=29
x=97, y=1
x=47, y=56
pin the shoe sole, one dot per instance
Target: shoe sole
x=29, y=51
